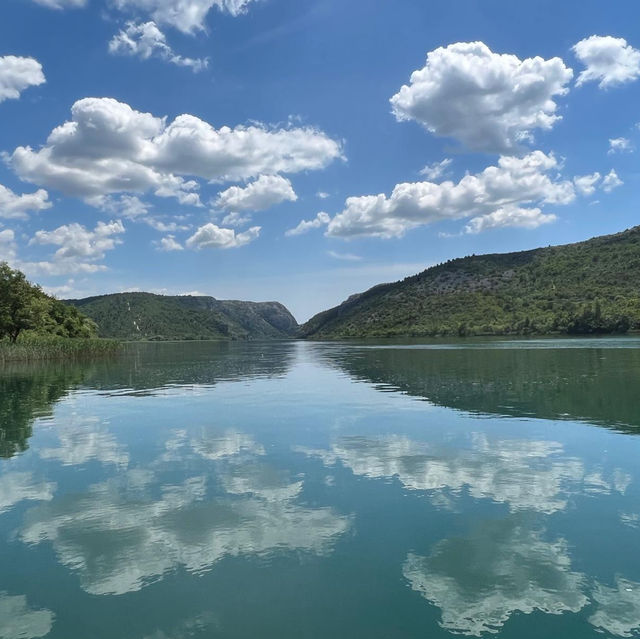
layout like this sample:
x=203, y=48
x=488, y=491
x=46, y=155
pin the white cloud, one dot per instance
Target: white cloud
x=436, y=170
x=169, y=243
x=62, y=4
x=263, y=193
x=609, y=61
x=322, y=195
x=320, y=220
x=348, y=257
x=19, y=621
x=80, y=248
x=487, y=101
x=212, y=236
x=145, y=40
x=236, y=219
x=513, y=183
x=127, y=206
x=510, y=216
x=620, y=145
x=107, y=147
x=586, y=184
x=17, y=74
x=14, y=206
x=186, y=15
x=611, y=181
x=165, y=227
x=7, y=245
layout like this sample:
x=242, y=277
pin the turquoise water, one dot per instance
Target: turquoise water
x=324, y=490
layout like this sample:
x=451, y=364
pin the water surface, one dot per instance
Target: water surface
x=287, y=489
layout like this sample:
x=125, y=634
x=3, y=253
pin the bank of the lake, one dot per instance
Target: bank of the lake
x=52, y=348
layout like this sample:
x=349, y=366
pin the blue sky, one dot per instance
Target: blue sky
x=282, y=149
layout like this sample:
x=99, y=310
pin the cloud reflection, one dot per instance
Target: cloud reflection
x=129, y=531
x=19, y=621
x=478, y=582
x=524, y=474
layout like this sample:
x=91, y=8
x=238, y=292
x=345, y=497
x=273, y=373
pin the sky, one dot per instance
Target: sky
x=305, y=150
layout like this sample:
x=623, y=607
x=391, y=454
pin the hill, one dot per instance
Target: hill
x=149, y=316
x=582, y=288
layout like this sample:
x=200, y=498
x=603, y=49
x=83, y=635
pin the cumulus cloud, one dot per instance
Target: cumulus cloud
x=186, y=15
x=212, y=236
x=609, y=61
x=19, y=621
x=169, y=243
x=263, y=193
x=145, y=40
x=7, y=245
x=510, y=216
x=320, y=220
x=108, y=148
x=17, y=74
x=80, y=248
x=487, y=101
x=611, y=181
x=127, y=206
x=620, y=145
x=586, y=184
x=498, y=191
x=14, y=206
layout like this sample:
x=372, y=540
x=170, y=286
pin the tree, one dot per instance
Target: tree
x=23, y=306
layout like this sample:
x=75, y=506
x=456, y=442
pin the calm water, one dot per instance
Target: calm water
x=311, y=490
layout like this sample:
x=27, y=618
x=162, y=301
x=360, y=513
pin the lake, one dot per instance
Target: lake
x=293, y=489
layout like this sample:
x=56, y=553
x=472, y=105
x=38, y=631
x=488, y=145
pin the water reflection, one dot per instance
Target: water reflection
x=524, y=474
x=502, y=567
x=20, y=621
x=82, y=439
x=124, y=533
x=18, y=486
x=598, y=385
x=27, y=392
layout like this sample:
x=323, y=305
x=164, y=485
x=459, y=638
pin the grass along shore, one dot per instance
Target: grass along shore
x=34, y=348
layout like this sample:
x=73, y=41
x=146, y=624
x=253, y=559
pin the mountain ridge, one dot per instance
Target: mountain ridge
x=579, y=288
x=150, y=316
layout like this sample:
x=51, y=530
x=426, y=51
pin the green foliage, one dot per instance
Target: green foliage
x=590, y=287
x=158, y=317
x=25, y=307
x=32, y=347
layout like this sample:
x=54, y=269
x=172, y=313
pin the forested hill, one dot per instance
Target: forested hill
x=588, y=287
x=149, y=316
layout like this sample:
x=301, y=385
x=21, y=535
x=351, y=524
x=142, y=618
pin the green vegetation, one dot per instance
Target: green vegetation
x=591, y=287
x=34, y=325
x=160, y=317
x=40, y=347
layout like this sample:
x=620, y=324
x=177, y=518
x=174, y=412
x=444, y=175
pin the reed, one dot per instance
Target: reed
x=35, y=348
